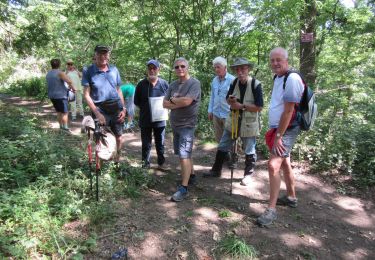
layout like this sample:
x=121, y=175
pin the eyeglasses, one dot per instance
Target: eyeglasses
x=179, y=66
x=69, y=64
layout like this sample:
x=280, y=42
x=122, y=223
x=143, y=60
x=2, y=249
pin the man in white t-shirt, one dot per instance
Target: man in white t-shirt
x=283, y=132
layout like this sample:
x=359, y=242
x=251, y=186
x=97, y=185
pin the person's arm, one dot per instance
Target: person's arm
x=121, y=116
x=211, y=102
x=90, y=103
x=137, y=95
x=65, y=78
x=283, y=125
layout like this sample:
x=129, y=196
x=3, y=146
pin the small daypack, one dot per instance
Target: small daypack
x=307, y=109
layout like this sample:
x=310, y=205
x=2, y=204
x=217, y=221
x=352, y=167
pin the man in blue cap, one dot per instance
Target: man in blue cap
x=103, y=95
x=149, y=95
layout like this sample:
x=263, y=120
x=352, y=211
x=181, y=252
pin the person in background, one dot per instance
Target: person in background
x=283, y=132
x=75, y=76
x=183, y=99
x=103, y=95
x=151, y=87
x=218, y=107
x=58, y=93
x=128, y=90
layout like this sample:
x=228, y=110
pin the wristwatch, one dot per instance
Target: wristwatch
x=243, y=107
x=278, y=135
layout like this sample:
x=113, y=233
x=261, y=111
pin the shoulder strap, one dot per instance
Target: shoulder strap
x=253, y=86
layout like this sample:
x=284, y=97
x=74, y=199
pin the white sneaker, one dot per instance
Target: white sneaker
x=246, y=180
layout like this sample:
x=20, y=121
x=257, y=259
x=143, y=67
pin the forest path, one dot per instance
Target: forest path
x=325, y=225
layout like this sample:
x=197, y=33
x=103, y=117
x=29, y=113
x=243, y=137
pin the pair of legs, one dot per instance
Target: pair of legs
x=146, y=136
x=218, y=127
x=275, y=163
x=183, y=140
x=61, y=107
x=77, y=105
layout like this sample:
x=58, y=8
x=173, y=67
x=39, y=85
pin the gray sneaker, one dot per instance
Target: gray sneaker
x=180, y=195
x=286, y=201
x=268, y=216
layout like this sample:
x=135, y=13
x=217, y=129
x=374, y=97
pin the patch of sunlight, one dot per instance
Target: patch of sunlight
x=296, y=240
x=207, y=213
x=208, y=146
x=136, y=142
x=354, y=254
x=55, y=125
x=357, y=216
x=152, y=246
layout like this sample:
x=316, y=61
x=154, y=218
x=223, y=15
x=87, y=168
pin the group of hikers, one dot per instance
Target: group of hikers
x=234, y=107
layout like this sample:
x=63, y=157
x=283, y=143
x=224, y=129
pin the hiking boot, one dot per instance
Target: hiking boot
x=161, y=160
x=192, y=179
x=212, y=173
x=218, y=165
x=146, y=165
x=180, y=195
x=267, y=218
x=287, y=201
x=249, y=164
x=66, y=129
x=246, y=180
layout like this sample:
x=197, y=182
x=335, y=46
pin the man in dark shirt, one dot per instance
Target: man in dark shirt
x=146, y=97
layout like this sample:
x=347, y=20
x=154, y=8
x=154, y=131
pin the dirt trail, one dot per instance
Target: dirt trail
x=325, y=225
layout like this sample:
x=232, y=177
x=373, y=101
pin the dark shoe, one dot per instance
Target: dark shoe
x=146, y=165
x=212, y=173
x=192, y=179
x=161, y=161
x=249, y=164
x=285, y=201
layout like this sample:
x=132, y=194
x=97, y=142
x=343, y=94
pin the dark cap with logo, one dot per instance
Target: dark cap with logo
x=101, y=48
x=153, y=62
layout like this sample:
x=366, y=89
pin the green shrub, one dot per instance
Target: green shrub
x=236, y=248
x=33, y=87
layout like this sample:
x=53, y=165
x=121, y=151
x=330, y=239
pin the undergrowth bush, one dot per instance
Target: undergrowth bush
x=33, y=87
x=44, y=185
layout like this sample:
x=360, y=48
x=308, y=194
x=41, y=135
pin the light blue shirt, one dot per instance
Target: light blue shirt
x=219, y=88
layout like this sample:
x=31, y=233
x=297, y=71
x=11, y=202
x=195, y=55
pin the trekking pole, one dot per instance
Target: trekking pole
x=97, y=134
x=89, y=151
x=235, y=120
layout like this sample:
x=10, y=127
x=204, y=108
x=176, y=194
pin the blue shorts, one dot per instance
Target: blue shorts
x=111, y=121
x=60, y=105
x=183, y=140
x=288, y=140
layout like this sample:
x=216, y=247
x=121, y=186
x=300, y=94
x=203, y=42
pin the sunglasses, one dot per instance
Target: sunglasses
x=69, y=64
x=179, y=66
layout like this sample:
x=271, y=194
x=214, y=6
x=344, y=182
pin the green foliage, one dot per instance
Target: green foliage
x=224, y=213
x=33, y=87
x=236, y=248
x=44, y=185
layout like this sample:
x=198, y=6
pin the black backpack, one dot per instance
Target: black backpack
x=307, y=109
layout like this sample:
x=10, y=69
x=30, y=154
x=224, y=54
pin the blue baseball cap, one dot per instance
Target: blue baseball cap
x=153, y=62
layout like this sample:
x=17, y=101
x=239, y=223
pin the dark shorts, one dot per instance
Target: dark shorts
x=111, y=121
x=183, y=140
x=60, y=105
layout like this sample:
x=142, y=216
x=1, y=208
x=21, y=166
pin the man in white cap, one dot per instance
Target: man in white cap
x=245, y=94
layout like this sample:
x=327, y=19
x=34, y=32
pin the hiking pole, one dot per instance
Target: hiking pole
x=89, y=151
x=235, y=120
x=97, y=135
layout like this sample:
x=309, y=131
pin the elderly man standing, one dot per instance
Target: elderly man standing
x=145, y=97
x=183, y=98
x=103, y=95
x=75, y=76
x=246, y=95
x=218, y=108
x=283, y=132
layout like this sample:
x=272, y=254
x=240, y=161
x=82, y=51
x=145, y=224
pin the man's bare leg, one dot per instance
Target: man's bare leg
x=186, y=169
x=274, y=165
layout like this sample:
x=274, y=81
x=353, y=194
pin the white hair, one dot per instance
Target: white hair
x=182, y=59
x=280, y=50
x=219, y=60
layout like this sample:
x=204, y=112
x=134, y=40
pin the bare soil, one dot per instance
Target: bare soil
x=332, y=220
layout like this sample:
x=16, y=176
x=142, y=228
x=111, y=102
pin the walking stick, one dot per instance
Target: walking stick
x=235, y=121
x=97, y=135
x=89, y=151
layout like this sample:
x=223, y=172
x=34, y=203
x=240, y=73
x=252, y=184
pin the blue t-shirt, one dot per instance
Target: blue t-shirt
x=103, y=85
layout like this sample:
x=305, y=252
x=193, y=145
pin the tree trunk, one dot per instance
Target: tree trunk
x=307, y=48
